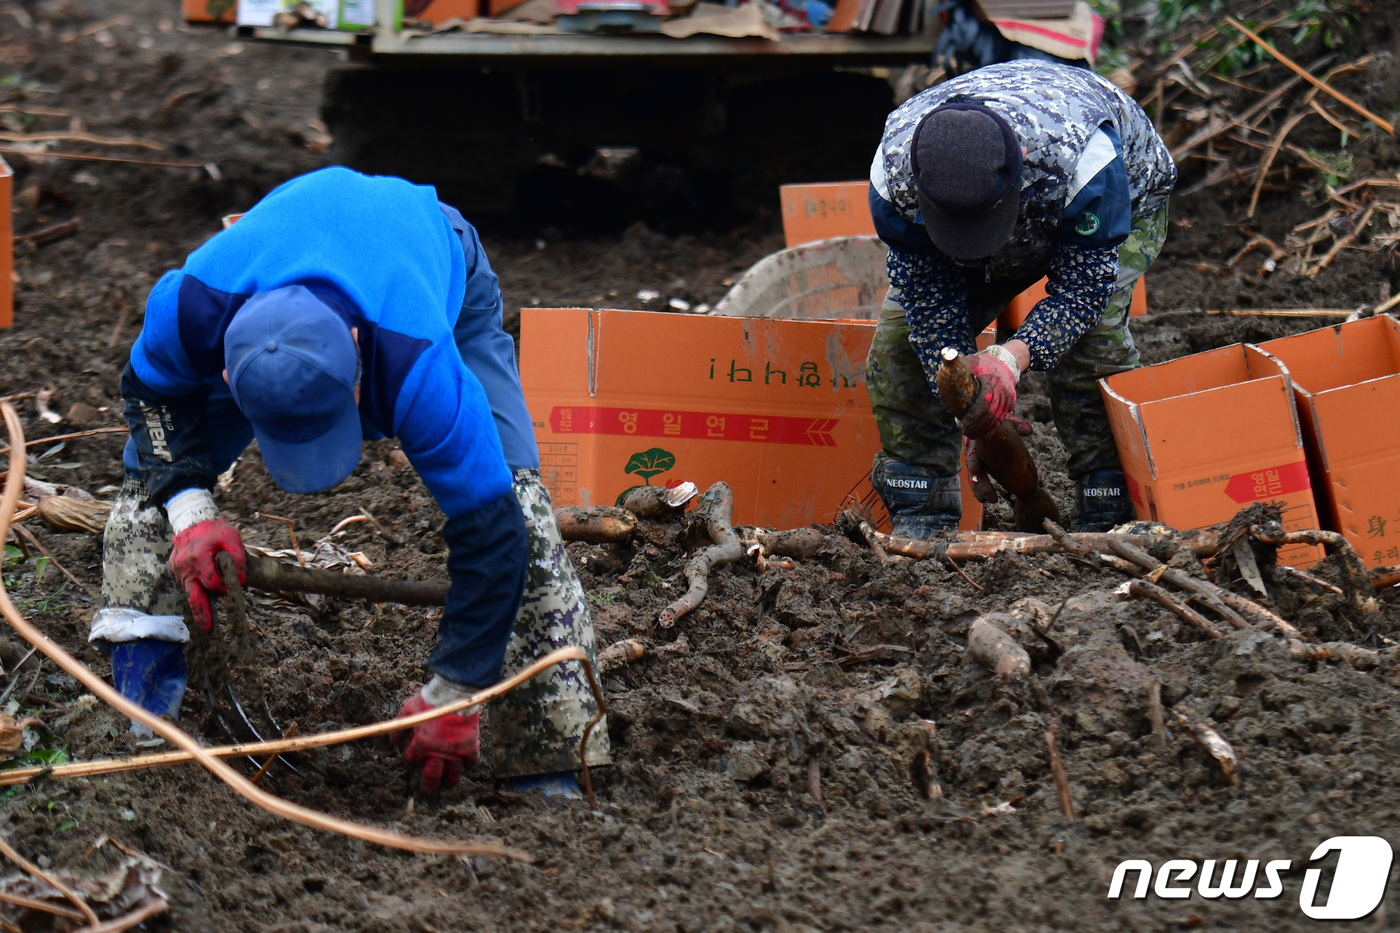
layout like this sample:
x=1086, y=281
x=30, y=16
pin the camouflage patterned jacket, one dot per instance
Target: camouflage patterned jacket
x=1093, y=164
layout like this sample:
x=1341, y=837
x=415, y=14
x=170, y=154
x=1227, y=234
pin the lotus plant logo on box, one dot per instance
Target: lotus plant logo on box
x=1358, y=883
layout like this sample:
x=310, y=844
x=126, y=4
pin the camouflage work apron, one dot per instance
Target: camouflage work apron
x=536, y=728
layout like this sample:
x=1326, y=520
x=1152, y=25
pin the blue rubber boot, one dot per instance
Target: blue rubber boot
x=561, y=784
x=150, y=673
x=920, y=502
x=1102, y=498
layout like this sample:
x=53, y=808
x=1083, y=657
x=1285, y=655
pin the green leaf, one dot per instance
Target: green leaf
x=648, y=463
x=66, y=825
x=13, y=555
x=41, y=566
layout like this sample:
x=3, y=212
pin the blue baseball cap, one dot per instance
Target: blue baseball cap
x=291, y=367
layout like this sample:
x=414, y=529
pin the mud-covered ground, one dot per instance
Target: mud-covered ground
x=767, y=776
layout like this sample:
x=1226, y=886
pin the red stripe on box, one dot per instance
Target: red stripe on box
x=1269, y=482
x=696, y=425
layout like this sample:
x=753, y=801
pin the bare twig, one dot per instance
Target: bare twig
x=30, y=903
x=88, y=157
x=79, y=138
x=872, y=538
x=962, y=573
x=65, y=437
x=138, y=916
x=49, y=879
x=291, y=530
x=51, y=234
x=1310, y=578
x=1343, y=242
x=1155, y=593
x=1057, y=767
x=301, y=742
x=1300, y=72
x=1269, y=156
x=29, y=536
x=1207, y=592
x=1155, y=714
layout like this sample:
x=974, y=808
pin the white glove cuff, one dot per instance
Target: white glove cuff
x=189, y=508
x=440, y=691
x=999, y=352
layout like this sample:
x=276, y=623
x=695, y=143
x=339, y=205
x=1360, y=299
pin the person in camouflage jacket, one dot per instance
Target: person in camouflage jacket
x=982, y=186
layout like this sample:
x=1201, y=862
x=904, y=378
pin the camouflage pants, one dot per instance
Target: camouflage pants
x=914, y=426
x=140, y=596
x=536, y=728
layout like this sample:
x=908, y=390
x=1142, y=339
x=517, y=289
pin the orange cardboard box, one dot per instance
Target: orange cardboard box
x=776, y=408
x=822, y=211
x=7, y=247
x=209, y=11
x=1346, y=380
x=1203, y=436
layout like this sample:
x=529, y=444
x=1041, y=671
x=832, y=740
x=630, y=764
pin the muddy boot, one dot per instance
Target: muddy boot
x=920, y=502
x=1102, y=499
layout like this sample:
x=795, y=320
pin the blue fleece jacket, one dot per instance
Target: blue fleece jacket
x=384, y=254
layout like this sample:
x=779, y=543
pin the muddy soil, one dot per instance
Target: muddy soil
x=767, y=776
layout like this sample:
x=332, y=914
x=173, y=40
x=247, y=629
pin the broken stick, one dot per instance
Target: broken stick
x=1155, y=593
x=1057, y=767
x=264, y=573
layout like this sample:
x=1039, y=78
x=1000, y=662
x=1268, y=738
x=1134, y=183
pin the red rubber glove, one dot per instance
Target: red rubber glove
x=996, y=395
x=192, y=562
x=977, y=476
x=442, y=747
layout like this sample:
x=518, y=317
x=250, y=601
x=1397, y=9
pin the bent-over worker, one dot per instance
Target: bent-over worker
x=343, y=307
x=981, y=186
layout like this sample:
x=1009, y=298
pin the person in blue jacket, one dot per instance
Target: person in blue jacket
x=343, y=307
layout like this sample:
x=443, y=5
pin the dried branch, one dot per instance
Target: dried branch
x=265, y=573
x=1057, y=768
x=44, y=876
x=1142, y=588
x=1298, y=70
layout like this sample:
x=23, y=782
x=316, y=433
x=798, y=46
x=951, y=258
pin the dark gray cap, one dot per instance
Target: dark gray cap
x=967, y=169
